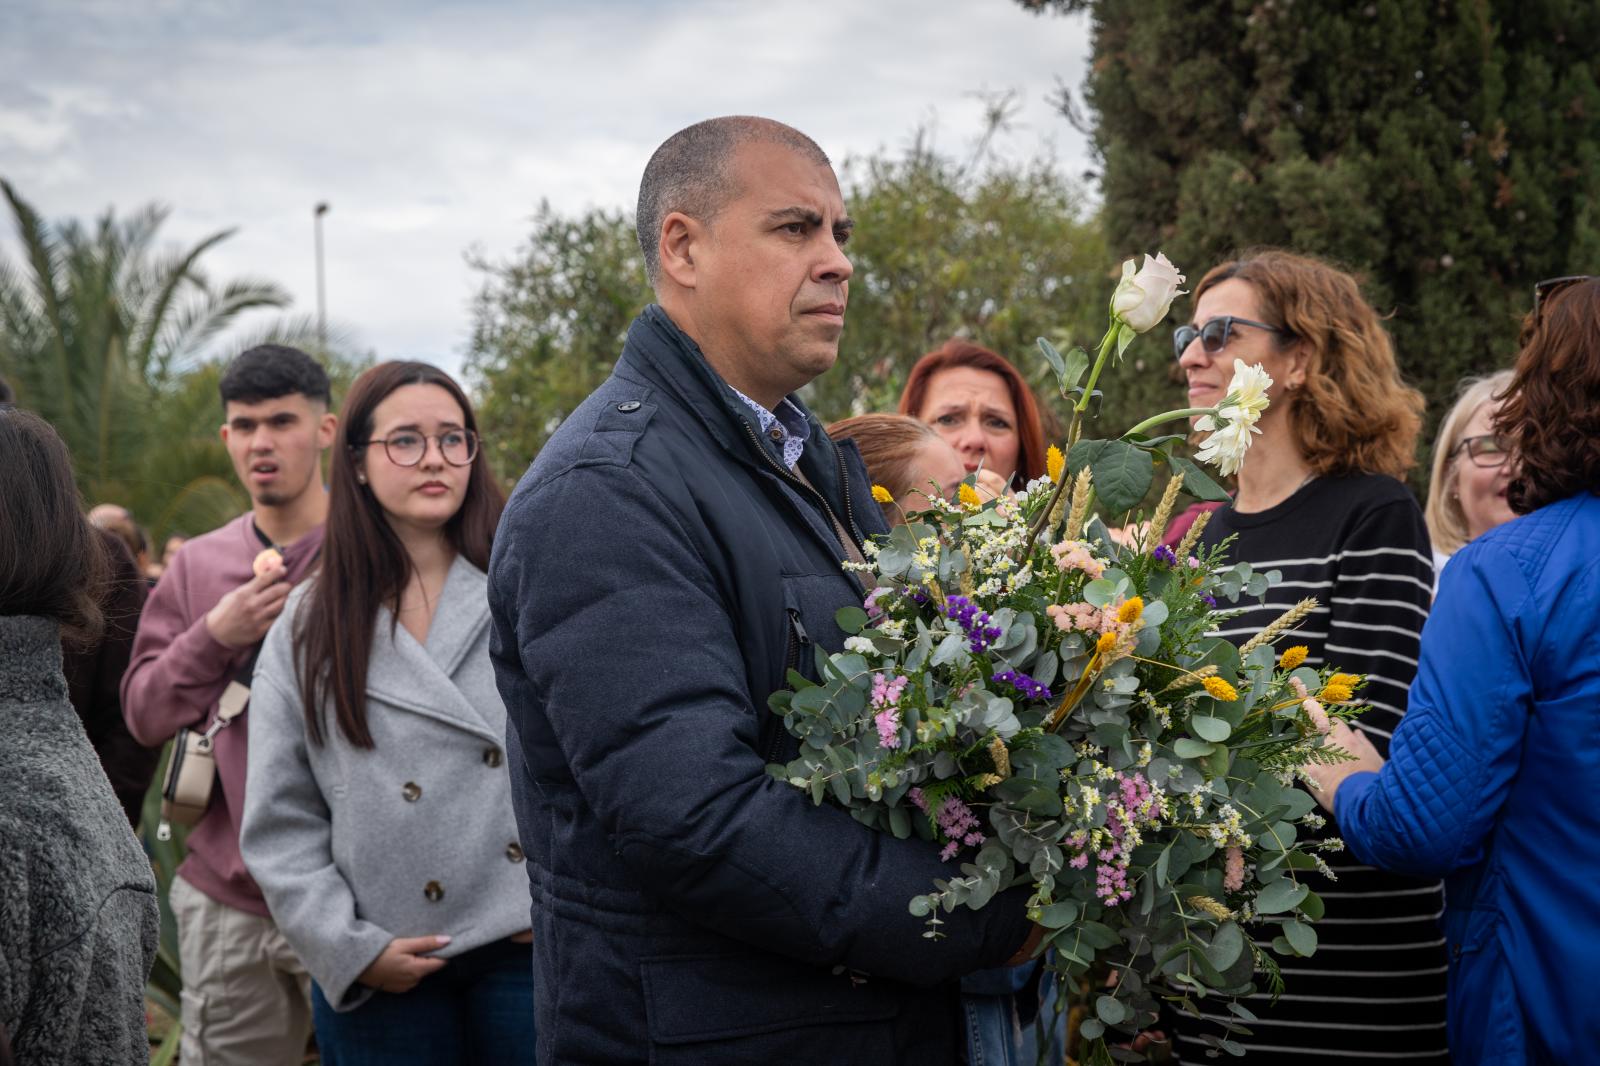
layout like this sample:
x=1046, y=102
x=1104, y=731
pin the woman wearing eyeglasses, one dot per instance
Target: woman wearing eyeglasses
x=1471, y=471
x=1318, y=498
x=1491, y=779
x=377, y=816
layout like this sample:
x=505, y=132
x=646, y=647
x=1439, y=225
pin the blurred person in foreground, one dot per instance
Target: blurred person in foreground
x=675, y=549
x=978, y=402
x=1319, y=499
x=118, y=520
x=907, y=458
x=246, y=997
x=1471, y=469
x=1491, y=780
x=78, y=912
x=378, y=816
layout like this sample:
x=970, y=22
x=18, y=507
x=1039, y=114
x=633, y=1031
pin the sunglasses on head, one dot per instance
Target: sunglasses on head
x=1543, y=290
x=1214, y=333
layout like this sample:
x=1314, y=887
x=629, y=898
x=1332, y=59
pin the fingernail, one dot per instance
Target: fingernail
x=443, y=940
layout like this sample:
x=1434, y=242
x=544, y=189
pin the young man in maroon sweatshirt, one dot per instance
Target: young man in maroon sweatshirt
x=245, y=995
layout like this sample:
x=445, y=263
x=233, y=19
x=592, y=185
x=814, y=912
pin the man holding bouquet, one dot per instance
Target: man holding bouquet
x=675, y=550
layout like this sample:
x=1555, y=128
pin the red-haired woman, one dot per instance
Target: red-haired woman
x=1319, y=499
x=377, y=816
x=979, y=402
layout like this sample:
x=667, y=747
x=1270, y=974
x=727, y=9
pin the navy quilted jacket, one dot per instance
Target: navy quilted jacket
x=655, y=573
x=1493, y=782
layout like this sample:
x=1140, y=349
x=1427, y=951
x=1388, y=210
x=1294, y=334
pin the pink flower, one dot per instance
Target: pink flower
x=1313, y=709
x=1075, y=555
x=888, y=723
x=1233, y=872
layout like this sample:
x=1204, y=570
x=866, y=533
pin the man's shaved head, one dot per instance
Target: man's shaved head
x=692, y=173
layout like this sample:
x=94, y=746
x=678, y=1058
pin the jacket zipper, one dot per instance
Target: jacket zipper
x=798, y=639
x=849, y=530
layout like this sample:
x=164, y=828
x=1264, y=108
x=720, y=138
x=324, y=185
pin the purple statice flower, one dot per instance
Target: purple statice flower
x=1029, y=689
x=1208, y=599
x=1164, y=554
x=973, y=621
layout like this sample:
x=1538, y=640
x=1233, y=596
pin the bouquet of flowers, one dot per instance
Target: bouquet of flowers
x=1042, y=702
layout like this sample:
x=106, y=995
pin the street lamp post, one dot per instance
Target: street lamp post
x=322, y=295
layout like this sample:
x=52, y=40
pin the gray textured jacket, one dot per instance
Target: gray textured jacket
x=354, y=847
x=78, y=917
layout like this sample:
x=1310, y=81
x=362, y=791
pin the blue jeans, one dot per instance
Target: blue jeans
x=478, y=1009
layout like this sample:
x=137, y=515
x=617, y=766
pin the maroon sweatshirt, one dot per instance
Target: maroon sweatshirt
x=178, y=673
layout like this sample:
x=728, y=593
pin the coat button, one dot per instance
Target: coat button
x=627, y=407
x=775, y=433
x=411, y=791
x=514, y=851
x=491, y=757
x=434, y=891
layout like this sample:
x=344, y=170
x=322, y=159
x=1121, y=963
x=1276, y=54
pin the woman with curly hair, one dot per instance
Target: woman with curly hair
x=1503, y=709
x=1319, y=500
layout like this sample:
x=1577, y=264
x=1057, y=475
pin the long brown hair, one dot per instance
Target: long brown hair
x=1550, y=412
x=1354, y=412
x=956, y=353
x=52, y=562
x=364, y=565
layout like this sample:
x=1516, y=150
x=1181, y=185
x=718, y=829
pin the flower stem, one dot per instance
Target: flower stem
x=1168, y=416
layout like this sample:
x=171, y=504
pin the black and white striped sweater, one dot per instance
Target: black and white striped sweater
x=1375, y=989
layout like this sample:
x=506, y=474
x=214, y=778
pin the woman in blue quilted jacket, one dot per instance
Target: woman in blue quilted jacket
x=1493, y=776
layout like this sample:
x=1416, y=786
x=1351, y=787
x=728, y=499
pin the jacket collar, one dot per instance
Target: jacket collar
x=671, y=359
x=30, y=660
x=421, y=677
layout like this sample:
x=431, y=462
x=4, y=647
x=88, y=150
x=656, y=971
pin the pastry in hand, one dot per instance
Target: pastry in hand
x=268, y=561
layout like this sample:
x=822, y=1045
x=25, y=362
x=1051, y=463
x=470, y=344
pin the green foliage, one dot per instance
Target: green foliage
x=1448, y=153
x=1002, y=255
x=102, y=335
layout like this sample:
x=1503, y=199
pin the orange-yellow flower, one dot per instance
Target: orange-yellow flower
x=1332, y=693
x=1219, y=689
x=1130, y=610
x=1293, y=657
x=881, y=494
x=1054, y=463
x=969, y=496
x=1106, y=642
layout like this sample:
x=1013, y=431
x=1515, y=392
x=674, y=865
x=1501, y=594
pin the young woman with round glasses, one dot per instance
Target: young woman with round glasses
x=1471, y=469
x=378, y=815
x=1318, y=498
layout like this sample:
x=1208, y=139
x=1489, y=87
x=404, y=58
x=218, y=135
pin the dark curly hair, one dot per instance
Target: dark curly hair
x=1550, y=412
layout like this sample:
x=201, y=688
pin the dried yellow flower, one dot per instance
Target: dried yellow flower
x=1130, y=610
x=1293, y=657
x=1219, y=689
x=1106, y=642
x=1054, y=463
x=1210, y=907
x=969, y=497
x=1001, y=757
x=881, y=494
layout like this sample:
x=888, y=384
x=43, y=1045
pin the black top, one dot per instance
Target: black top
x=1375, y=989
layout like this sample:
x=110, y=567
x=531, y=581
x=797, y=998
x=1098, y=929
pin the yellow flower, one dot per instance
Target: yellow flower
x=1293, y=657
x=1332, y=693
x=881, y=494
x=1106, y=642
x=1220, y=689
x=1054, y=463
x=1347, y=680
x=1130, y=610
x=1001, y=757
x=969, y=496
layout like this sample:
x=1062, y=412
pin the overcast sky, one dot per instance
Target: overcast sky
x=431, y=128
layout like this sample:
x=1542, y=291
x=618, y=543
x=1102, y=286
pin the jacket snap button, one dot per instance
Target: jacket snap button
x=491, y=757
x=775, y=433
x=434, y=891
x=514, y=851
x=628, y=406
x=411, y=791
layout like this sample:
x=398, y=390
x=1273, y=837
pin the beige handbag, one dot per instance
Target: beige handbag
x=192, y=766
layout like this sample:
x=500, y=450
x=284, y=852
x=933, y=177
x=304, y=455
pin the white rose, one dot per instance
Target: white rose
x=1143, y=298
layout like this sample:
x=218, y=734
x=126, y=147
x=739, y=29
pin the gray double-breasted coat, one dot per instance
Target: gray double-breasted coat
x=354, y=847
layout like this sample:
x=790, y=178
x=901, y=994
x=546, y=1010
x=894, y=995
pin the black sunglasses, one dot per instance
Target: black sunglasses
x=1214, y=333
x=1550, y=286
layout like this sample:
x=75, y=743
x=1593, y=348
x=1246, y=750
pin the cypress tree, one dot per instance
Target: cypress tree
x=1446, y=152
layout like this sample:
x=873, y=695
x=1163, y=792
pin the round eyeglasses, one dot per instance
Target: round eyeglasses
x=1486, y=449
x=1214, y=333
x=407, y=447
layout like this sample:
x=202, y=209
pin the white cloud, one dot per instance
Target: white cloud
x=432, y=128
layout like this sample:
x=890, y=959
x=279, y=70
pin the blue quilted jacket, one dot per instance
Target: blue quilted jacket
x=1493, y=782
